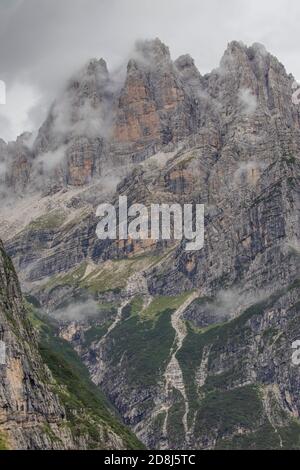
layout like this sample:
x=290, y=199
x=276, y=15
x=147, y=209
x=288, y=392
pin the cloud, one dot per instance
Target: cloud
x=230, y=303
x=42, y=42
x=48, y=161
x=2, y=170
x=14, y=115
x=6, y=127
x=79, y=311
x=76, y=114
x=248, y=101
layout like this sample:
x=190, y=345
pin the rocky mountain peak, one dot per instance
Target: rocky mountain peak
x=97, y=65
x=239, y=57
x=152, y=108
x=68, y=142
x=152, y=50
x=160, y=102
x=235, y=58
x=188, y=72
x=185, y=62
x=90, y=83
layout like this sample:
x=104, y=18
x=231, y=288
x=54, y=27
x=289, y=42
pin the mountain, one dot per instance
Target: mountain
x=194, y=349
x=46, y=398
x=100, y=123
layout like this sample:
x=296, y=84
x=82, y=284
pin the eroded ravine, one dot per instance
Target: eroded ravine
x=173, y=376
x=136, y=286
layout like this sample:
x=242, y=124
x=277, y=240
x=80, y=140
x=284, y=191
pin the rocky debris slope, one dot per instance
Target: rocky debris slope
x=173, y=374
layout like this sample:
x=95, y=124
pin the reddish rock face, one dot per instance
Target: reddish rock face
x=137, y=116
x=152, y=100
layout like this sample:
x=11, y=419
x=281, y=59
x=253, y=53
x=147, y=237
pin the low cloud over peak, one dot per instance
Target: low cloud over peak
x=42, y=43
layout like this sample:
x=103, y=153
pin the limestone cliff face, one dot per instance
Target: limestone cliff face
x=34, y=408
x=182, y=338
x=17, y=164
x=153, y=106
x=28, y=406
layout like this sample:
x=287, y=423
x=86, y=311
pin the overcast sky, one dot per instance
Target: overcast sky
x=42, y=42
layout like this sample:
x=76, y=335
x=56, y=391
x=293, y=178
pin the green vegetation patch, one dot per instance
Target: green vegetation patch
x=3, y=442
x=50, y=221
x=175, y=428
x=290, y=436
x=113, y=275
x=161, y=304
x=217, y=338
x=88, y=412
x=144, y=348
x=134, y=308
x=109, y=276
x=223, y=412
x=264, y=438
x=95, y=333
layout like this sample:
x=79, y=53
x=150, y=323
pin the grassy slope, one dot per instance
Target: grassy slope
x=3, y=442
x=87, y=409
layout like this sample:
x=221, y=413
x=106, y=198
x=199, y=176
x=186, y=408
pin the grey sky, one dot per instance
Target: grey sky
x=43, y=41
